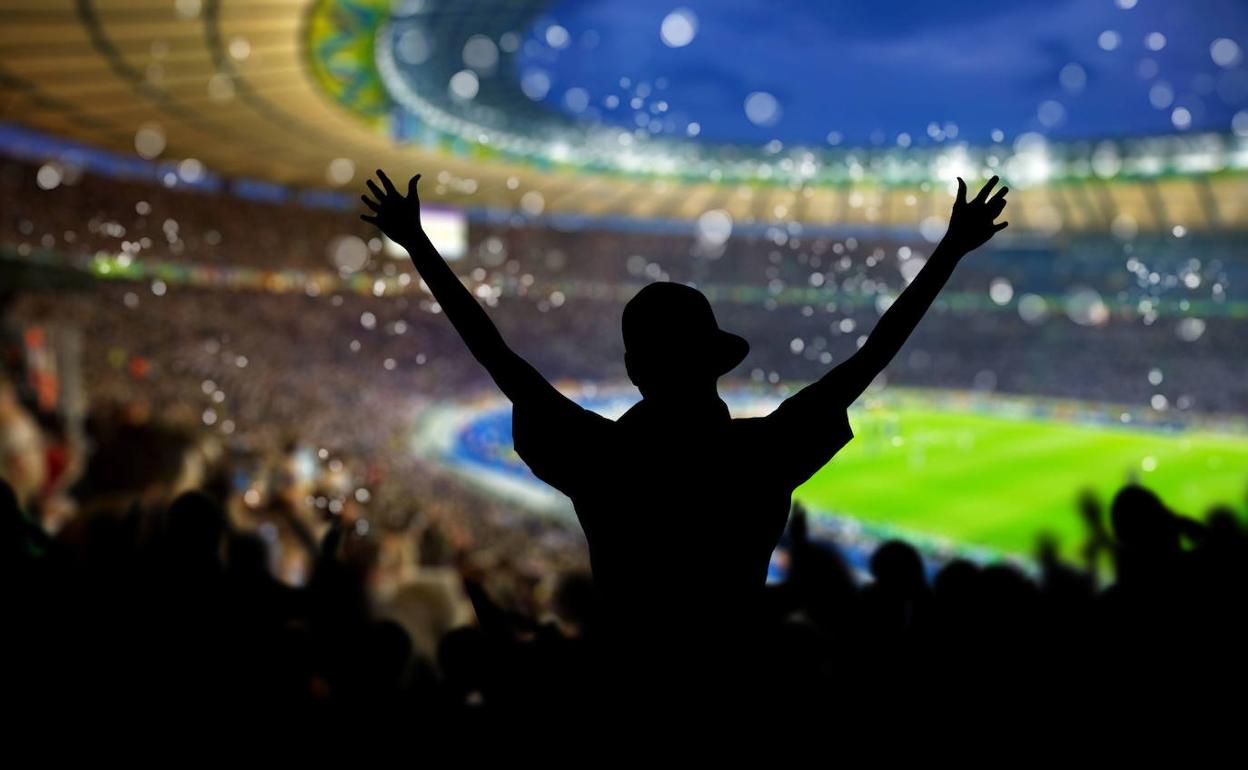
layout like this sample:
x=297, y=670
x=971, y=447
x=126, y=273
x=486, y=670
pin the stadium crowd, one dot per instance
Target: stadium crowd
x=83, y=213
x=275, y=359
x=239, y=521
x=167, y=592
x=1098, y=314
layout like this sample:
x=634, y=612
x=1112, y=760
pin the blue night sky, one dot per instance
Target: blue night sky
x=871, y=70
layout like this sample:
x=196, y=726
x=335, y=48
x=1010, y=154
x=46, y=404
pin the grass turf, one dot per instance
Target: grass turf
x=998, y=482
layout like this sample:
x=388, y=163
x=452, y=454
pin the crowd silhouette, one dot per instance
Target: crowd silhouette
x=159, y=609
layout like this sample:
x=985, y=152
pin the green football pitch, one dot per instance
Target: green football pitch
x=997, y=482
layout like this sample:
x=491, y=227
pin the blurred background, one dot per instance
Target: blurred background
x=190, y=301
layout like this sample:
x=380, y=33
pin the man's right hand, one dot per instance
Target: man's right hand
x=971, y=224
x=397, y=215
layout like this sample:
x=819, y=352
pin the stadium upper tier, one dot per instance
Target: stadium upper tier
x=313, y=94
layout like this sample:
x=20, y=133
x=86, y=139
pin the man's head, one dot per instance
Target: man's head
x=673, y=344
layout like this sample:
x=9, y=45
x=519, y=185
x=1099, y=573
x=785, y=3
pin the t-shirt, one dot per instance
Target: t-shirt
x=681, y=509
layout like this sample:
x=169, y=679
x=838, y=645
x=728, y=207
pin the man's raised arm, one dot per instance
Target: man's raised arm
x=398, y=216
x=970, y=226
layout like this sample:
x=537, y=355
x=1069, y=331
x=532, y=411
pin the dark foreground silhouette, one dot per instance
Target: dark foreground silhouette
x=147, y=616
x=646, y=485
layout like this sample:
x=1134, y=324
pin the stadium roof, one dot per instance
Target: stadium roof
x=315, y=94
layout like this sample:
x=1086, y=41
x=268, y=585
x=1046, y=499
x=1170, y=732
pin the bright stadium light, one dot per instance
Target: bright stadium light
x=952, y=164
x=1030, y=164
x=1106, y=162
x=1200, y=161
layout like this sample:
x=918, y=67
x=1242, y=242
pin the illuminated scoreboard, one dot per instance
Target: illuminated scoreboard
x=447, y=228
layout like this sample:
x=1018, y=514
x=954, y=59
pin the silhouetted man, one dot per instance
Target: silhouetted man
x=681, y=504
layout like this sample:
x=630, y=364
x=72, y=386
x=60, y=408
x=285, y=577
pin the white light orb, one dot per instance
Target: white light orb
x=349, y=253
x=678, y=28
x=464, y=85
x=714, y=227
x=762, y=109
